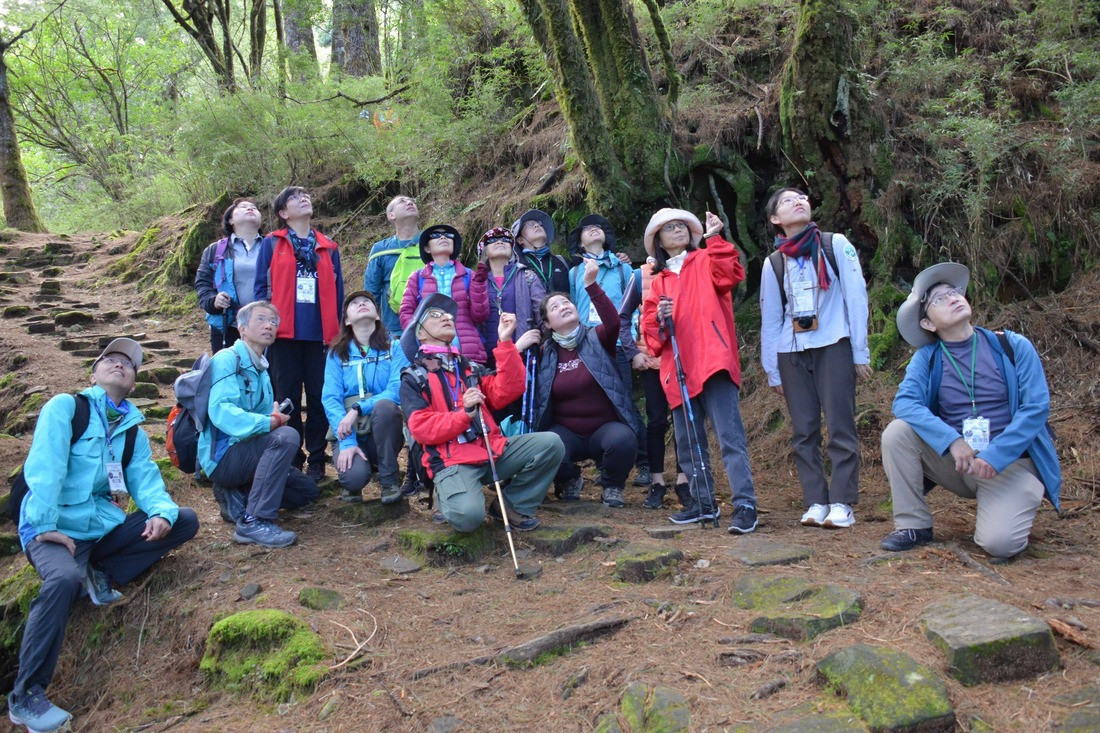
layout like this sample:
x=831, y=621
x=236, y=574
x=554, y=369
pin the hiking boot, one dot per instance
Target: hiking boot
x=695, y=513
x=231, y=503
x=901, y=540
x=34, y=710
x=642, y=477
x=263, y=532
x=613, y=496
x=840, y=515
x=316, y=471
x=815, y=515
x=438, y=518
x=410, y=486
x=391, y=494
x=683, y=493
x=744, y=519
x=351, y=497
x=655, y=497
x=570, y=490
x=517, y=521
x=99, y=587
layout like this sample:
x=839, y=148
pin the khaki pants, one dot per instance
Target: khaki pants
x=1006, y=503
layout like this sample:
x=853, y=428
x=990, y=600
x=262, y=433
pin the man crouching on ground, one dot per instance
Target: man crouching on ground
x=971, y=416
x=447, y=401
x=72, y=525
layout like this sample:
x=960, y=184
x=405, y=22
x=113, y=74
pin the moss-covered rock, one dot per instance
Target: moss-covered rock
x=267, y=653
x=558, y=541
x=167, y=470
x=889, y=690
x=442, y=547
x=145, y=390
x=16, y=311
x=73, y=318
x=642, y=563
x=796, y=608
x=157, y=412
x=646, y=710
x=370, y=513
x=160, y=375
x=9, y=541
x=319, y=599
x=17, y=591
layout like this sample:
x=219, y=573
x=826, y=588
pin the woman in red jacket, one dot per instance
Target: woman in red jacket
x=693, y=288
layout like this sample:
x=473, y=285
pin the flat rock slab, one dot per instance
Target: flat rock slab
x=831, y=722
x=72, y=318
x=372, y=513
x=75, y=345
x=161, y=375
x=16, y=311
x=443, y=547
x=889, y=690
x=989, y=641
x=643, y=563
x=578, y=508
x=645, y=710
x=43, y=327
x=757, y=552
x=399, y=564
x=250, y=591
x=796, y=608
x=558, y=541
x=319, y=599
x=669, y=531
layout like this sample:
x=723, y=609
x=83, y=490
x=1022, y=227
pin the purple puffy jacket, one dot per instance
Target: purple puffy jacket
x=470, y=311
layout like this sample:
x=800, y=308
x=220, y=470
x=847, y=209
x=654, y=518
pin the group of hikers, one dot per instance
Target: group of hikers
x=512, y=372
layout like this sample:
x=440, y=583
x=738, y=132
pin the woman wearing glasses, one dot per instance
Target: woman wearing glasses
x=440, y=246
x=692, y=291
x=813, y=346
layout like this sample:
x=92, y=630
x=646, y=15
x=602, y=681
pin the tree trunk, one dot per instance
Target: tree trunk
x=355, y=49
x=298, y=33
x=197, y=20
x=19, y=208
x=280, y=46
x=257, y=34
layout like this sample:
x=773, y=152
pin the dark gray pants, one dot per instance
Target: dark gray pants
x=261, y=466
x=815, y=380
x=381, y=445
x=122, y=553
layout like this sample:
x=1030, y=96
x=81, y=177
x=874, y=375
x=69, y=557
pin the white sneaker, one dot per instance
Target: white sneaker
x=815, y=515
x=840, y=515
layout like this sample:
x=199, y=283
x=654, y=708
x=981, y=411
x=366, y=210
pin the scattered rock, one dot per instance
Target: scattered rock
x=669, y=531
x=160, y=375
x=155, y=344
x=250, y=591
x=9, y=543
x=52, y=287
x=319, y=599
x=889, y=690
x=399, y=564
x=739, y=657
x=444, y=547
x=827, y=722
x=14, y=277
x=558, y=541
x=641, y=564
x=444, y=724
x=51, y=272
x=757, y=552
x=147, y=390
x=577, y=508
x=73, y=318
x=574, y=681
x=75, y=345
x=372, y=513
x=33, y=328
x=330, y=706
x=796, y=608
x=645, y=710
x=989, y=641
x=16, y=311
x=267, y=652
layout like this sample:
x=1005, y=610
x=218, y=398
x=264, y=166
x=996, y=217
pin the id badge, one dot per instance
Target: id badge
x=976, y=433
x=116, y=482
x=593, y=315
x=306, y=290
x=803, y=297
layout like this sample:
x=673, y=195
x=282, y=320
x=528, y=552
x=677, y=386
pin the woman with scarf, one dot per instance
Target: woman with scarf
x=579, y=395
x=692, y=289
x=440, y=246
x=361, y=398
x=813, y=345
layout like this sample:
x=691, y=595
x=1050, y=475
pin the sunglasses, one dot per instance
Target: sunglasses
x=441, y=235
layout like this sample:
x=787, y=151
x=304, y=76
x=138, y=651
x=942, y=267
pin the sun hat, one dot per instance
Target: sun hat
x=664, y=216
x=909, y=314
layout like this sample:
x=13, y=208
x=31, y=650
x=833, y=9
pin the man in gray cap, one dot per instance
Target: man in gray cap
x=971, y=417
x=447, y=403
x=87, y=460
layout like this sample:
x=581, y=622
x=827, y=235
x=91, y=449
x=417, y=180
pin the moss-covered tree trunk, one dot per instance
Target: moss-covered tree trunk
x=355, y=48
x=827, y=123
x=19, y=208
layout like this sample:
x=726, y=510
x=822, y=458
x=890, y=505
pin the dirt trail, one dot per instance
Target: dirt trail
x=135, y=666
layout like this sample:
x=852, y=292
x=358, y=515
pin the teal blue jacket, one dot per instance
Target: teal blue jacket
x=241, y=401
x=72, y=496
x=381, y=374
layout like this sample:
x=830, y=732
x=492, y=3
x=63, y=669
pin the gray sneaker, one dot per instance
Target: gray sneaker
x=231, y=502
x=263, y=532
x=34, y=710
x=99, y=587
x=391, y=494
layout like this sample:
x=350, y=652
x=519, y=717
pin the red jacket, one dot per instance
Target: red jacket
x=702, y=315
x=437, y=426
x=284, y=270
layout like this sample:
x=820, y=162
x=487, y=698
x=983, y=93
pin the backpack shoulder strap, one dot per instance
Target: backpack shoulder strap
x=128, y=448
x=1006, y=346
x=776, y=260
x=219, y=249
x=830, y=255
x=82, y=412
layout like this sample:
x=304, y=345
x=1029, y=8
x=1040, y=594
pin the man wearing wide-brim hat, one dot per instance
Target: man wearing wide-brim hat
x=971, y=416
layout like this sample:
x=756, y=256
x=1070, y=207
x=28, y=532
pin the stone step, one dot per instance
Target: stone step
x=46, y=298
x=74, y=344
x=16, y=311
x=73, y=318
x=41, y=328
x=795, y=608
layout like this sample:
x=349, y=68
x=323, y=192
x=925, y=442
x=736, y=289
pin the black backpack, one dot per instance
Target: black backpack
x=81, y=413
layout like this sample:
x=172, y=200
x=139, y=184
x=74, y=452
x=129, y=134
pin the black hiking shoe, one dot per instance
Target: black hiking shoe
x=695, y=513
x=744, y=519
x=683, y=493
x=655, y=497
x=901, y=540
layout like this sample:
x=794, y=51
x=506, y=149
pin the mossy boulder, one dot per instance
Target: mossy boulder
x=441, y=547
x=160, y=375
x=9, y=541
x=50, y=286
x=167, y=470
x=16, y=311
x=558, y=541
x=157, y=412
x=370, y=513
x=17, y=591
x=648, y=710
x=268, y=653
x=146, y=390
x=643, y=563
x=795, y=608
x=73, y=318
x=319, y=599
x=889, y=690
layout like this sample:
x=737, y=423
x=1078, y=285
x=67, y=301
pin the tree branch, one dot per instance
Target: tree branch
x=353, y=100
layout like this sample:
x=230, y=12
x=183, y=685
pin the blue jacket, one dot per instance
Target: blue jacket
x=211, y=278
x=240, y=405
x=613, y=277
x=67, y=485
x=1029, y=403
x=381, y=381
x=380, y=261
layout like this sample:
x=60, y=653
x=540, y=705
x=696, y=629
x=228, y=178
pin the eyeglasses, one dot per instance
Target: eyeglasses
x=792, y=199
x=436, y=313
x=441, y=235
x=591, y=229
x=299, y=197
x=266, y=320
x=943, y=296
x=118, y=361
x=673, y=226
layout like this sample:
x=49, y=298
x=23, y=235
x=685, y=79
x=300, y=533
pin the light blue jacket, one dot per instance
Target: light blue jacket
x=1028, y=401
x=613, y=277
x=381, y=375
x=72, y=496
x=241, y=401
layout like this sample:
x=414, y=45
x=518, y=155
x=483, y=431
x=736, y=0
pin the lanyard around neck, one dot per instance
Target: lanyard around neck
x=973, y=361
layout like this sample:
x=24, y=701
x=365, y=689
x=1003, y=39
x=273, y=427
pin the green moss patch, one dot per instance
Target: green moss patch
x=319, y=599
x=269, y=653
x=17, y=591
x=642, y=563
x=796, y=608
x=648, y=710
x=558, y=541
x=441, y=548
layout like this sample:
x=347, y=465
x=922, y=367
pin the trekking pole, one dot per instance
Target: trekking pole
x=694, y=446
x=527, y=410
x=225, y=328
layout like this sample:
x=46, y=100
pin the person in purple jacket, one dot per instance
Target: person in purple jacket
x=440, y=246
x=508, y=287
